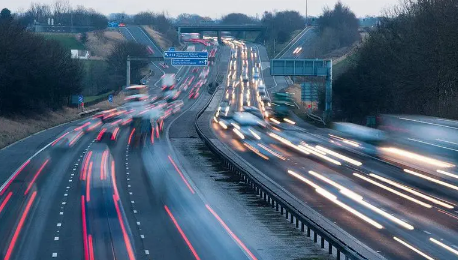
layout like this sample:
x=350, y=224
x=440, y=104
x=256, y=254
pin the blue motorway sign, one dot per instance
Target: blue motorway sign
x=172, y=49
x=189, y=62
x=113, y=24
x=80, y=98
x=186, y=54
x=110, y=98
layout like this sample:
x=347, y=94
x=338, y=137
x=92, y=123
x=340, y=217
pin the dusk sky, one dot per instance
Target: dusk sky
x=214, y=8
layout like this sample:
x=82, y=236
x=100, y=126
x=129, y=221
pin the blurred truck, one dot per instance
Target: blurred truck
x=149, y=123
x=168, y=82
x=359, y=132
x=281, y=104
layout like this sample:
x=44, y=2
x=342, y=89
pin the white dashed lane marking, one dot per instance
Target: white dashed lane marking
x=65, y=197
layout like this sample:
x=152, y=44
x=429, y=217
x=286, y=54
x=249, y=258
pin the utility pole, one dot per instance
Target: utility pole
x=128, y=72
x=306, y=13
x=71, y=20
x=275, y=49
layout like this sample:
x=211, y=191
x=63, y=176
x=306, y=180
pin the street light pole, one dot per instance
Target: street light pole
x=306, y=13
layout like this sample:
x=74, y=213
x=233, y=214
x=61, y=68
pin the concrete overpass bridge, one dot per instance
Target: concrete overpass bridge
x=218, y=28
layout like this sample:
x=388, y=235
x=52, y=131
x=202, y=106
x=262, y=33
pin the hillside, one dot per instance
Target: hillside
x=101, y=43
x=98, y=43
x=158, y=37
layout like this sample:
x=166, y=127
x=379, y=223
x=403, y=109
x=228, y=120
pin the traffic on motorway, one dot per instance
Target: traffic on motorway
x=111, y=186
x=394, y=188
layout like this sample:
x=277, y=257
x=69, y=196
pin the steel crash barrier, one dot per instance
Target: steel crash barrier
x=335, y=246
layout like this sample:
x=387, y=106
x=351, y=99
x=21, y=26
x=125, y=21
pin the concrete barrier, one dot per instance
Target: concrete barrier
x=337, y=241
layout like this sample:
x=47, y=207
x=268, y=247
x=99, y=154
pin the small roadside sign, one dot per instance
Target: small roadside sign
x=172, y=49
x=110, y=98
x=80, y=99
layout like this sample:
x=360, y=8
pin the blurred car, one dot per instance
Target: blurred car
x=224, y=108
x=171, y=95
x=175, y=106
x=88, y=125
x=247, y=126
x=256, y=73
x=160, y=104
x=164, y=65
x=111, y=115
x=254, y=111
x=195, y=70
x=229, y=93
x=68, y=139
x=245, y=77
x=108, y=133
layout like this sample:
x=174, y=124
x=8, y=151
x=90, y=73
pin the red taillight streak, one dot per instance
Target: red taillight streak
x=152, y=135
x=115, y=133
x=94, y=126
x=75, y=139
x=113, y=175
x=97, y=116
x=103, y=174
x=130, y=136
x=124, y=233
x=127, y=121
x=116, y=122
x=157, y=132
x=162, y=124
x=86, y=163
x=182, y=233
x=88, y=183
x=144, y=111
x=58, y=139
x=81, y=127
x=231, y=233
x=91, y=248
x=14, y=176
x=35, y=176
x=83, y=216
x=2, y=206
x=181, y=174
x=99, y=136
x=19, y=226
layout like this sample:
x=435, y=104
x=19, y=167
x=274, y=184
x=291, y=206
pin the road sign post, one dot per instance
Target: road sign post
x=81, y=101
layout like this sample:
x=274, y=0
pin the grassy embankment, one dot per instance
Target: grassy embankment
x=17, y=127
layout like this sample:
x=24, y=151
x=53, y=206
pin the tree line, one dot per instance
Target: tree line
x=160, y=22
x=35, y=73
x=409, y=64
x=337, y=28
x=63, y=14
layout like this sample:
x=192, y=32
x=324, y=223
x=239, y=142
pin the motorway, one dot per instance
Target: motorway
x=299, y=47
x=67, y=196
x=398, y=211
x=137, y=34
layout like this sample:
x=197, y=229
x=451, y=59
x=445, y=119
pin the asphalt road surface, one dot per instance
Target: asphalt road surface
x=77, y=198
x=400, y=212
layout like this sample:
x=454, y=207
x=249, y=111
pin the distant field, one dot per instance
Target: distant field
x=68, y=40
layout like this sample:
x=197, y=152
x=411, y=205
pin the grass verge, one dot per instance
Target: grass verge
x=68, y=40
x=18, y=127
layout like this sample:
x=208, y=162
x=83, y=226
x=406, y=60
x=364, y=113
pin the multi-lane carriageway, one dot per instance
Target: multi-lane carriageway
x=398, y=211
x=81, y=202
x=112, y=200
